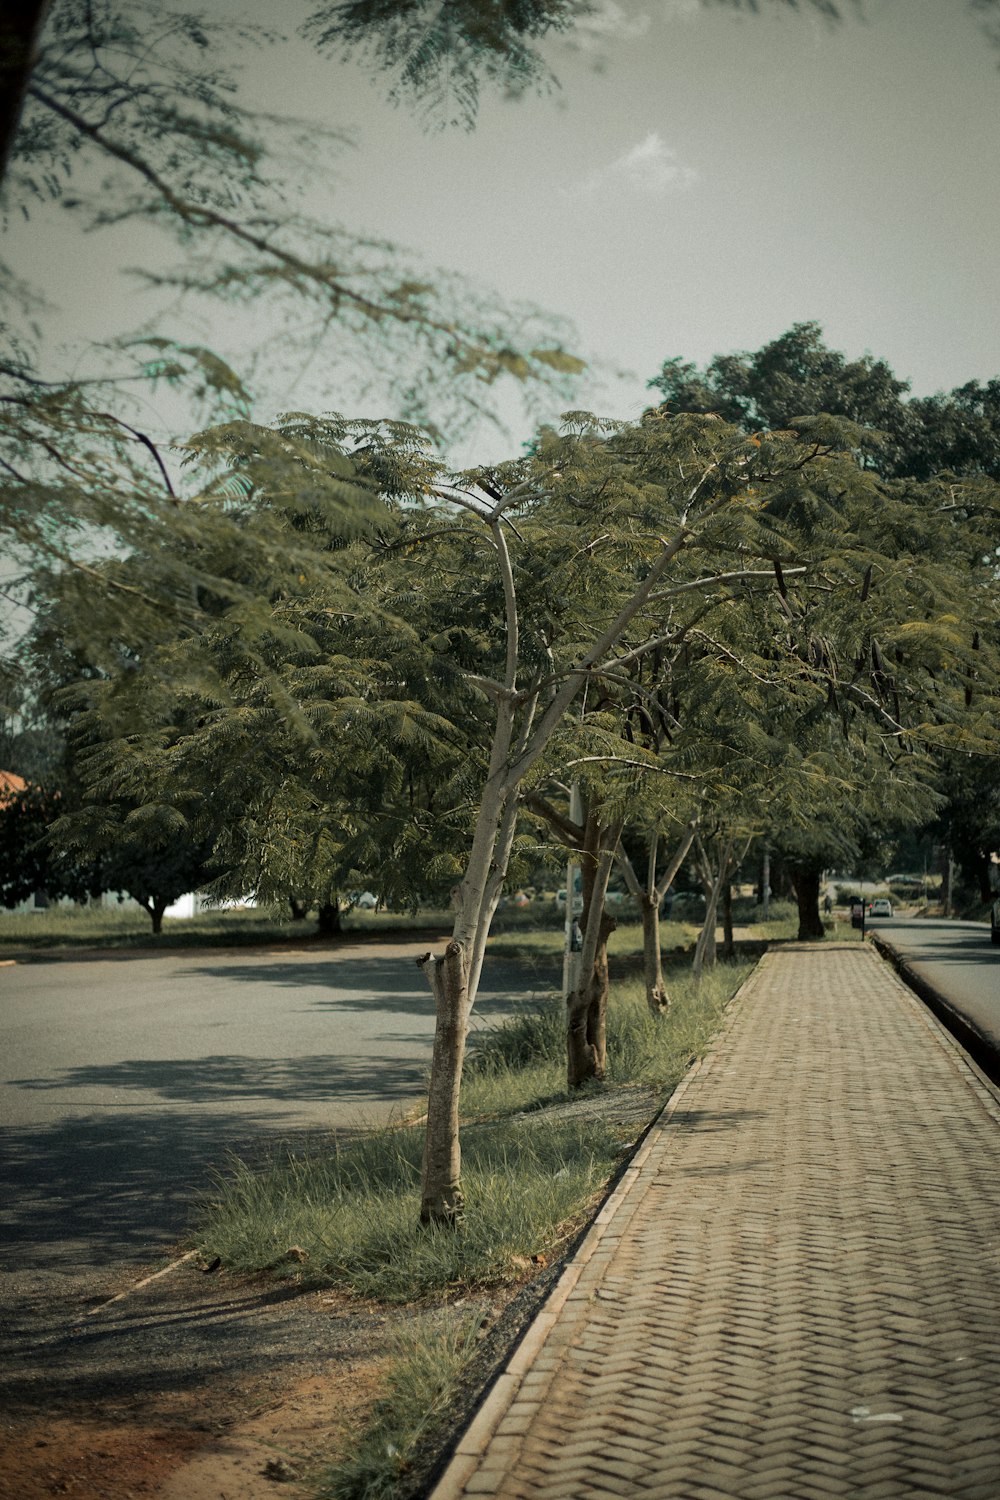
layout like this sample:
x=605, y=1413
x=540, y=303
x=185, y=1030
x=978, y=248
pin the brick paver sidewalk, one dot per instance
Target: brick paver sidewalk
x=795, y=1292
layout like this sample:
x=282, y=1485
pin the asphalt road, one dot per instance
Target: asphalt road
x=124, y=1080
x=957, y=960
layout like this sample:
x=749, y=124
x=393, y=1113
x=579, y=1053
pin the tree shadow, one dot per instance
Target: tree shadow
x=958, y=945
x=94, y=1189
x=284, y=1082
x=180, y=1335
x=381, y=984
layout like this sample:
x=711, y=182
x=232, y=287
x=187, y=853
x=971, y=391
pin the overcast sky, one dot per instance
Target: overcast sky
x=716, y=180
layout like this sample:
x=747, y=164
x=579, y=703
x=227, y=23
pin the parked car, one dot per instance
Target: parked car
x=995, y=922
x=881, y=907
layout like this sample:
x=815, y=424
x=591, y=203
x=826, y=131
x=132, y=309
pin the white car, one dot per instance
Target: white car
x=881, y=907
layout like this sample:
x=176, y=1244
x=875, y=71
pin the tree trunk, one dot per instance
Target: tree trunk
x=156, y=909
x=299, y=909
x=586, y=1007
x=705, y=948
x=806, y=881
x=328, y=922
x=649, y=900
x=21, y=22
x=442, y=1201
x=982, y=871
x=586, y=1013
x=652, y=963
x=728, y=945
x=454, y=980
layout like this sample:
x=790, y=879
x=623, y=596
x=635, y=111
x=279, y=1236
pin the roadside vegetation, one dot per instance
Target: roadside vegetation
x=536, y=1162
x=127, y=926
x=531, y=932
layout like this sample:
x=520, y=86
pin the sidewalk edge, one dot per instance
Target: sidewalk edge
x=503, y=1392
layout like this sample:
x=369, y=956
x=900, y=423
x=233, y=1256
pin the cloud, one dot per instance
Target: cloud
x=608, y=19
x=651, y=168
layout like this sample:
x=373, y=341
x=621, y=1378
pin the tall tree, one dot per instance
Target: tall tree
x=920, y=447
x=129, y=113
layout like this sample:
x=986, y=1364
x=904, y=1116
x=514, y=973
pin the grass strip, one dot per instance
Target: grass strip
x=350, y=1210
x=351, y=1215
x=532, y=1176
x=429, y=1361
x=521, y=1062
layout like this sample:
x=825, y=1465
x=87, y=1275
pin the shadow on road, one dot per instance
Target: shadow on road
x=381, y=984
x=958, y=946
x=119, y=1182
x=282, y=1080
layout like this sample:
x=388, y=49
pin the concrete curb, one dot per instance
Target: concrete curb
x=958, y=1026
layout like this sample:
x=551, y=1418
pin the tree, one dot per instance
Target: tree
x=645, y=506
x=438, y=56
x=795, y=374
x=128, y=112
x=919, y=447
x=156, y=863
x=967, y=822
x=453, y=631
x=609, y=543
x=35, y=861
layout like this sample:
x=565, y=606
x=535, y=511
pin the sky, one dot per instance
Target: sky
x=700, y=181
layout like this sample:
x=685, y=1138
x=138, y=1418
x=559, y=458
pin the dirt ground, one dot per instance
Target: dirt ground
x=191, y=1387
x=271, y=1386
x=213, y=1388
x=189, y=1451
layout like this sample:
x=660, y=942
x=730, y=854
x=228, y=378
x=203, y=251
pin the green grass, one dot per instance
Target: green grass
x=128, y=926
x=354, y=1211
x=528, y=1178
x=429, y=1362
x=625, y=942
x=522, y=1061
x=531, y=1176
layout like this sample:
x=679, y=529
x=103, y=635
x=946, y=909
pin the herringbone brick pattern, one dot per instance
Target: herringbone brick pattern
x=796, y=1295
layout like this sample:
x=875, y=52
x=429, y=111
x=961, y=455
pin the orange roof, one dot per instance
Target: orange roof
x=10, y=785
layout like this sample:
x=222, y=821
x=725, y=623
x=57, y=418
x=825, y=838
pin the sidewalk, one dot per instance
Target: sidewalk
x=795, y=1291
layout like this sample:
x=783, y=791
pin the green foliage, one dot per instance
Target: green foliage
x=855, y=740
x=317, y=701
x=438, y=56
x=796, y=381
x=968, y=820
x=131, y=113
